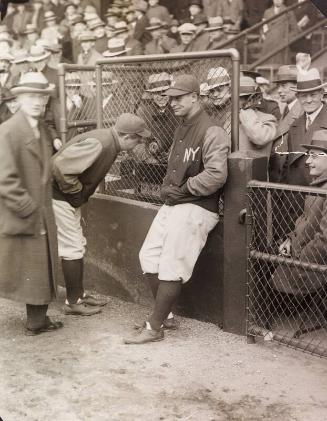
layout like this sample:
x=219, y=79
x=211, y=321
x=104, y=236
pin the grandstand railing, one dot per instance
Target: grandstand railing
x=287, y=290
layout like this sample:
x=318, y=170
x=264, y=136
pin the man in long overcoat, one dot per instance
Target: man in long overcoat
x=28, y=244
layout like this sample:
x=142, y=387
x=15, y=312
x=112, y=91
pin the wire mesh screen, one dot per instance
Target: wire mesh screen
x=80, y=100
x=139, y=88
x=287, y=266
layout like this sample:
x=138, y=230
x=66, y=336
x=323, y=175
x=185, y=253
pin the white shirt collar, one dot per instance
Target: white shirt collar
x=314, y=115
x=291, y=104
x=32, y=121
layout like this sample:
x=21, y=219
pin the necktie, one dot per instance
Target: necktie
x=308, y=122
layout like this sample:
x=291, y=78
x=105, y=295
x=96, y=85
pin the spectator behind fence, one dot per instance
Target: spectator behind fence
x=253, y=11
x=285, y=80
x=142, y=21
x=232, y=12
x=97, y=26
x=196, y=173
x=88, y=55
x=187, y=33
x=157, y=11
x=78, y=168
x=308, y=241
x=215, y=30
x=28, y=243
x=160, y=43
x=122, y=31
x=310, y=94
x=257, y=129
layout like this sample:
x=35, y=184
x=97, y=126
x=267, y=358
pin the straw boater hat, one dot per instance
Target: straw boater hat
x=87, y=36
x=120, y=27
x=30, y=29
x=214, y=24
x=286, y=73
x=116, y=47
x=155, y=23
x=96, y=23
x=319, y=141
x=217, y=76
x=5, y=37
x=262, y=81
x=77, y=19
x=37, y=53
x=248, y=86
x=49, y=16
x=308, y=81
x=159, y=82
x=72, y=80
x=6, y=57
x=33, y=82
x=187, y=28
x=20, y=56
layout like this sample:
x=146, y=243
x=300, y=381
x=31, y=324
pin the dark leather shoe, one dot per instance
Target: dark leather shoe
x=81, y=310
x=50, y=326
x=145, y=336
x=91, y=300
x=168, y=324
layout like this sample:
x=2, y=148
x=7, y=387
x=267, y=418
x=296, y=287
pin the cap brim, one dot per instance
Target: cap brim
x=118, y=53
x=156, y=90
x=176, y=92
x=39, y=58
x=210, y=87
x=145, y=133
x=316, y=147
x=213, y=28
x=283, y=80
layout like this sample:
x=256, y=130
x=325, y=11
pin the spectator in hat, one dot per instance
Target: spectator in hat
x=28, y=250
x=195, y=9
x=160, y=43
x=157, y=11
x=7, y=79
x=52, y=31
x=21, y=18
x=38, y=58
x=196, y=173
x=78, y=167
x=156, y=110
x=8, y=105
x=232, y=12
x=307, y=241
x=219, y=94
x=116, y=47
x=20, y=63
x=202, y=40
x=187, y=33
x=31, y=35
x=210, y=8
x=77, y=28
x=309, y=91
x=142, y=22
x=121, y=31
x=98, y=29
x=88, y=55
x=257, y=129
x=253, y=11
x=215, y=30
x=285, y=80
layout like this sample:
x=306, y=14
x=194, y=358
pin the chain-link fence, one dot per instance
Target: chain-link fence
x=138, y=87
x=287, y=265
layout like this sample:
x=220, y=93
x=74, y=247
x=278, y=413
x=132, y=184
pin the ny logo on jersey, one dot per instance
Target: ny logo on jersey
x=190, y=154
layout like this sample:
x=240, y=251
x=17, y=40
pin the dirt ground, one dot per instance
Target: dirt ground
x=198, y=373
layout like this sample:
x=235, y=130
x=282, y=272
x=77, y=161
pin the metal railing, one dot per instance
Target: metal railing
x=287, y=281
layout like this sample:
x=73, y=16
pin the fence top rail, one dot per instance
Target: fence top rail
x=230, y=52
x=64, y=67
x=288, y=187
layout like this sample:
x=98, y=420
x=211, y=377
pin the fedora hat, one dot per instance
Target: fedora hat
x=120, y=27
x=159, y=82
x=20, y=56
x=96, y=23
x=286, y=73
x=187, y=28
x=37, y=53
x=116, y=47
x=319, y=141
x=30, y=29
x=128, y=123
x=217, y=76
x=155, y=23
x=33, y=82
x=262, y=81
x=6, y=57
x=141, y=6
x=49, y=16
x=214, y=24
x=6, y=95
x=248, y=86
x=308, y=81
x=245, y=71
x=87, y=36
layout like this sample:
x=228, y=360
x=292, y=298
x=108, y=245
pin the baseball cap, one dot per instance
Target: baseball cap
x=183, y=84
x=128, y=123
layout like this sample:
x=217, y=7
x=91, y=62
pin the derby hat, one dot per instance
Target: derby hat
x=286, y=73
x=37, y=53
x=248, y=86
x=33, y=82
x=308, y=81
x=214, y=24
x=156, y=23
x=182, y=85
x=217, y=76
x=319, y=141
x=116, y=47
x=158, y=82
x=128, y=123
x=187, y=28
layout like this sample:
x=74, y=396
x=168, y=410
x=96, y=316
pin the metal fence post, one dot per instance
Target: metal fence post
x=98, y=80
x=62, y=95
x=235, y=99
x=242, y=167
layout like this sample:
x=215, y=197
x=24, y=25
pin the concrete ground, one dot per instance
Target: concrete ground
x=199, y=373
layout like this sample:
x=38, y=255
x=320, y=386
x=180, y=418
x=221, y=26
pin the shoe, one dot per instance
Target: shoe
x=81, y=310
x=50, y=326
x=168, y=324
x=91, y=300
x=145, y=336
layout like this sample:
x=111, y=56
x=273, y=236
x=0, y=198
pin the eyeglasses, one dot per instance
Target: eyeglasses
x=315, y=155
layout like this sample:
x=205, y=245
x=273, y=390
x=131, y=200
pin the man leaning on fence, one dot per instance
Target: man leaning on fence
x=78, y=168
x=196, y=173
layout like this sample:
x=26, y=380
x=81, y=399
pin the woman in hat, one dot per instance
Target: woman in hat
x=28, y=239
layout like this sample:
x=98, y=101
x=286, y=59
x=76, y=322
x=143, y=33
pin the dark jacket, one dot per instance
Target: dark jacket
x=197, y=163
x=82, y=163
